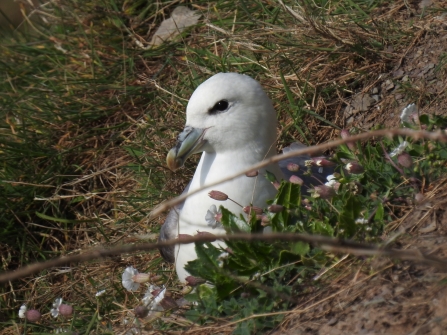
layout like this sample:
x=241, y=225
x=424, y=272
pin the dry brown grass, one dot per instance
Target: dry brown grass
x=121, y=98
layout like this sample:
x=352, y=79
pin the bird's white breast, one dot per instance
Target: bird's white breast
x=244, y=190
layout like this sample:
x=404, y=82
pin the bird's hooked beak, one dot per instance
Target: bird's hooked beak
x=189, y=141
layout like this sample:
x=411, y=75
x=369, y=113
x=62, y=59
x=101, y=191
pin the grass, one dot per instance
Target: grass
x=87, y=118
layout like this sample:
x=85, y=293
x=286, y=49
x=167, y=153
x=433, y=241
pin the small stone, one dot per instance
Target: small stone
x=350, y=120
x=361, y=102
x=389, y=85
x=332, y=322
x=425, y=3
x=375, y=90
x=398, y=74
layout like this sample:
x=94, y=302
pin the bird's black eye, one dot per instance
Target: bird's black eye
x=219, y=107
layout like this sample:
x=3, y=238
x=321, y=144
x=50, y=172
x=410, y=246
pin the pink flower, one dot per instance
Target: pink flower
x=60, y=308
x=345, y=135
x=128, y=279
x=253, y=173
x=354, y=168
x=405, y=160
x=296, y=180
x=323, y=192
x=293, y=167
x=217, y=195
x=33, y=315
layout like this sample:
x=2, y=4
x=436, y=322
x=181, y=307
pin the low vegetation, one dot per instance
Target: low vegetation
x=89, y=110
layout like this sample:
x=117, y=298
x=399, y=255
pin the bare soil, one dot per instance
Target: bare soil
x=382, y=296
x=393, y=298
x=418, y=78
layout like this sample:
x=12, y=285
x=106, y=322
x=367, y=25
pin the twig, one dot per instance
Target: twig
x=416, y=134
x=326, y=243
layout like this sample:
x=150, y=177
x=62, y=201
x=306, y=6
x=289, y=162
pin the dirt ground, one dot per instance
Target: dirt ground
x=383, y=296
x=417, y=78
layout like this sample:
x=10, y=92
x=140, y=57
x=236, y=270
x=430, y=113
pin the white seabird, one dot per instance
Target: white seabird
x=231, y=120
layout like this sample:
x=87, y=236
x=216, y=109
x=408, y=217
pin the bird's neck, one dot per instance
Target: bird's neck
x=216, y=166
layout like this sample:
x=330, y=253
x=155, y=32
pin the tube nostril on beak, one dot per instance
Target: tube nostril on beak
x=174, y=163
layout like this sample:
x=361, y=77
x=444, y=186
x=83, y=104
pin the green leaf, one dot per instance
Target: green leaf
x=300, y=248
x=289, y=196
x=424, y=119
x=206, y=265
x=270, y=177
x=232, y=223
x=322, y=228
x=380, y=213
x=350, y=212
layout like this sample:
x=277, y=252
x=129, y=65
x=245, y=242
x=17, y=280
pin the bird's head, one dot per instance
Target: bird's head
x=225, y=113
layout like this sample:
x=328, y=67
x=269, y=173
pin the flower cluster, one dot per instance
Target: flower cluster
x=213, y=217
x=61, y=309
x=155, y=300
x=131, y=279
x=33, y=315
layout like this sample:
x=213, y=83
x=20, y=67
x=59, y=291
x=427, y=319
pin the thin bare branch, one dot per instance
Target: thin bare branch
x=326, y=243
x=415, y=134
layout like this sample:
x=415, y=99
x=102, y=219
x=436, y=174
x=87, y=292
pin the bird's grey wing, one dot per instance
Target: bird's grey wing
x=318, y=174
x=169, y=230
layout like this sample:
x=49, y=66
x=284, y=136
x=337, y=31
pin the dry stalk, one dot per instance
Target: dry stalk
x=326, y=243
x=415, y=134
